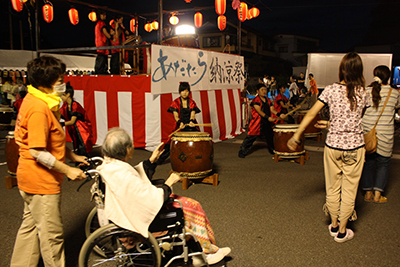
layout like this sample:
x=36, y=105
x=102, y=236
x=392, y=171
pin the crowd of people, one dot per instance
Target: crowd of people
x=354, y=109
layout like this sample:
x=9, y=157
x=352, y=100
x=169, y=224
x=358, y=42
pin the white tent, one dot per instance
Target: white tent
x=18, y=59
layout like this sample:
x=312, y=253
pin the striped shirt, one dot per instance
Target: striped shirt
x=385, y=126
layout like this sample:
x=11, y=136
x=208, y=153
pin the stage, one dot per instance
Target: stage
x=126, y=101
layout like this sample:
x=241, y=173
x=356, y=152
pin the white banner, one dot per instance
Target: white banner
x=203, y=70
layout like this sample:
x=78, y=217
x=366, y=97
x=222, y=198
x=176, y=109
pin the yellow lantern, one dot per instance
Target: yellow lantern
x=174, y=20
x=92, y=16
x=148, y=27
x=154, y=25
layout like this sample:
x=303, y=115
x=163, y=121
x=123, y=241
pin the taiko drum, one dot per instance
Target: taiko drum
x=12, y=154
x=6, y=115
x=282, y=134
x=192, y=154
x=311, y=130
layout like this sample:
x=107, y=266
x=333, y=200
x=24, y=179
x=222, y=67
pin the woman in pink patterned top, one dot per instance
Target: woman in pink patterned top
x=344, y=151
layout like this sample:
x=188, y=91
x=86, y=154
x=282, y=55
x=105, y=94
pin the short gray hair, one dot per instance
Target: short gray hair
x=116, y=143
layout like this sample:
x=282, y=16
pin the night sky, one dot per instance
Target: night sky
x=340, y=24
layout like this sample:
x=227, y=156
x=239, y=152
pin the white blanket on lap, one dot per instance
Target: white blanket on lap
x=131, y=201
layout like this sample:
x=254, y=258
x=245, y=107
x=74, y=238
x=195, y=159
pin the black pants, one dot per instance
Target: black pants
x=267, y=132
x=101, y=65
x=114, y=64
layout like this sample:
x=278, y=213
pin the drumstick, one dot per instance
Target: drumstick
x=199, y=124
x=297, y=108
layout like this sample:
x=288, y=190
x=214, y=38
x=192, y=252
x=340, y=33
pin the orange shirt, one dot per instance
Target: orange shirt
x=37, y=127
x=313, y=87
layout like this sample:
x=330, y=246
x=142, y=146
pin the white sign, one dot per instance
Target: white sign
x=203, y=70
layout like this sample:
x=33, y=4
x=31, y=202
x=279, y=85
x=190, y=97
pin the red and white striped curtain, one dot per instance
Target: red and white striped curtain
x=126, y=102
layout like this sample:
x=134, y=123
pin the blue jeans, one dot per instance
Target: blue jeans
x=382, y=172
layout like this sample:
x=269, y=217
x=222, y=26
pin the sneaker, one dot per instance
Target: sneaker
x=330, y=230
x=197, y=261
x=349, y=236
x=218, y=256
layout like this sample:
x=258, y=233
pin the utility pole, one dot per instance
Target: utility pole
x=160, y=22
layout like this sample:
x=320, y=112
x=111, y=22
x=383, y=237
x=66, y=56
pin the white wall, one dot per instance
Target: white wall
x=325, y=67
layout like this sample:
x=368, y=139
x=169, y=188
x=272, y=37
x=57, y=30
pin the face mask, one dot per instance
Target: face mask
x=59, y=89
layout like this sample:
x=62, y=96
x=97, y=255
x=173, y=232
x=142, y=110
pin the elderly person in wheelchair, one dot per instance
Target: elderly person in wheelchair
x=133, y=202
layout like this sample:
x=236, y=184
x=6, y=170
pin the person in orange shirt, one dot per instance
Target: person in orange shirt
x=313, y=89
x=41, y=167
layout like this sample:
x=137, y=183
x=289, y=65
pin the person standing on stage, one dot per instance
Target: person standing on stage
x=184, y=110
x=344, y=151
x=77, y=123
x=261, y=122
x=313, y=89
x=102, y=37
x=120, y=34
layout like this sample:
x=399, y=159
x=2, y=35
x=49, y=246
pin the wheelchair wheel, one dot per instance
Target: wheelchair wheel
x=92, y=222
x=145, y=252
x=91, y=225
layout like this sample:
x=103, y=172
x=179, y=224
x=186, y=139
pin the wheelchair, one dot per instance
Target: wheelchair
x=110, y=245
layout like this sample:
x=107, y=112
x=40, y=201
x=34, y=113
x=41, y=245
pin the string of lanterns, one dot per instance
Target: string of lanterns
x=243, y=13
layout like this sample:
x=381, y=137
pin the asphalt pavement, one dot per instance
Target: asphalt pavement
x=269, y=213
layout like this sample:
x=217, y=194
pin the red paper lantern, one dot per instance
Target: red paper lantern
x=148, y=27
x=242, y=11
x=73, y=16
x=48, y=13
x=92, y=16
x=254, y=12
x=221, y=22
x=188, y=1
x=154, y=25
x=18, y=5
x=198, y=19
x=132, y=25
x=174, y=20
x=249, y=16
x=220, y=6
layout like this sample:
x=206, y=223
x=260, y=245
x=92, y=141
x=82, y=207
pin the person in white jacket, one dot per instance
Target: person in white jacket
x=132, y=201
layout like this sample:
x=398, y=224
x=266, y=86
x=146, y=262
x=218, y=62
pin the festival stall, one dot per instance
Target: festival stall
x=139, y=103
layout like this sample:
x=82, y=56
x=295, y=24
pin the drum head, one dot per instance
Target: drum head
x=286, y=127
x=6, y=110
x=191, y=136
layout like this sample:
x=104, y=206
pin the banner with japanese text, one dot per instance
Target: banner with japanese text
x=203, y=70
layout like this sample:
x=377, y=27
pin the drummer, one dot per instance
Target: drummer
x=261, y=121
x=184, y=110
x=282, y=106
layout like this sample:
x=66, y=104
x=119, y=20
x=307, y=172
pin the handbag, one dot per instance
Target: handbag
x=370, y=139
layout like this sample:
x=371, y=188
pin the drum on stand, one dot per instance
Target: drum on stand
x=6, y=115
x=12, y=154
x=282, y=134
x=311, y=130
x=192, y=154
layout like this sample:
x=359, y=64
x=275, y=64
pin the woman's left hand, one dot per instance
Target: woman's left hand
x=157, y=153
